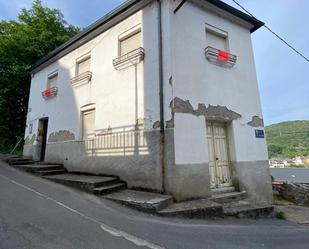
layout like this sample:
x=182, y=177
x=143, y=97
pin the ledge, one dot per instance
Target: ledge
x=81, y=79
x=133, y=57
x=220, y=57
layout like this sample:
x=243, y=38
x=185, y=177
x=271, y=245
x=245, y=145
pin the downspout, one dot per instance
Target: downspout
x=161, y=94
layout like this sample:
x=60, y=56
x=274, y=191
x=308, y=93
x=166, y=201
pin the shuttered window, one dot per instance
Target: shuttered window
x=88, y=124
x=83, y=66
x=52, y=80
x=130, y=43
x=216, y=41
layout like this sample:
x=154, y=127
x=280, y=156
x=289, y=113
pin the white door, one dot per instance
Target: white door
x=219, y=164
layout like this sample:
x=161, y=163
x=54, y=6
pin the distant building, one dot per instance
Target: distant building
x=276, y=164
x=298, y=160
x=301, y=160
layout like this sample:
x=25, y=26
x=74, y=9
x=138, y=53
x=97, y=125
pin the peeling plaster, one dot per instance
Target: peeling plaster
x=156, y=125
x=30, y=141
x=217, y=112
x=256, y=122
x=211, y=112
x=181, y=106
x=61, y=136
x=170, y=123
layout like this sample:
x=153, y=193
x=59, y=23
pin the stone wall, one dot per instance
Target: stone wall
x=295, y=192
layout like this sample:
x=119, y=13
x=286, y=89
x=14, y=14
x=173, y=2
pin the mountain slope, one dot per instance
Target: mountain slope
x=288, y=139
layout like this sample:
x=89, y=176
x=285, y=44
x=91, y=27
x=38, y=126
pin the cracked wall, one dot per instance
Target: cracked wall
x=256, y=122
x=61, y=136
x=218, y=112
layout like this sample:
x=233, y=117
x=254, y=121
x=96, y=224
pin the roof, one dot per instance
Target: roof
x=127, y=5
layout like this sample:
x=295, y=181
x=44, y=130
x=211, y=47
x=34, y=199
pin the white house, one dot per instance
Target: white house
x=163, y=94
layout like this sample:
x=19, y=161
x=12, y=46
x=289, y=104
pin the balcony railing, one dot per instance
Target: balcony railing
x=126, y=142
x=133, y=57
x=50, y=92
x=220, y=57
x=82, y=79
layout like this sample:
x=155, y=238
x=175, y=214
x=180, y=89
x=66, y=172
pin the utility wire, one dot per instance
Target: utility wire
x=270, y=30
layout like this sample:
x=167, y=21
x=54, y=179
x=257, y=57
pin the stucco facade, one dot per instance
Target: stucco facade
x=127, y=139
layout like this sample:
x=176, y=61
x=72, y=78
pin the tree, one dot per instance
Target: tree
x=275, y=150
x=38, y=31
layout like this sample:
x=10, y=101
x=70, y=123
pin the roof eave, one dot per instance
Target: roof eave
x=250, y=19
x=121, y=8
x=127, y=5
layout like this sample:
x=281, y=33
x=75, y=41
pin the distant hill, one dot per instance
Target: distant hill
x=288, y=139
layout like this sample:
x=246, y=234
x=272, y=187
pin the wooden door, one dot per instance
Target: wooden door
x=219, y=164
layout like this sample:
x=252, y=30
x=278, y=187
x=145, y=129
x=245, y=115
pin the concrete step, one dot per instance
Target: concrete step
x=223, y=190
x=48, y=163
x=141, y=200
x=109, y=188
x=32, y=168
x=6, y=157
x=228, y=197
x=202, y=208
x=21, y=161
x=50, y=172
x=84, y=182
x=244, y=208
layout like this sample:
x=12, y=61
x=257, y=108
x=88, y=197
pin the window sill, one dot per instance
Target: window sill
x=132, y=58
x=81, y=79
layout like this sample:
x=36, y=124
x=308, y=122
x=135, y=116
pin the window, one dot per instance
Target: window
x=30, y=128
x=216, y=38
x=130, y=43
x=52, y=80
x=88, y=123
x=83, y=66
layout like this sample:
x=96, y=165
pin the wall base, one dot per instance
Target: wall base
x=253, y=177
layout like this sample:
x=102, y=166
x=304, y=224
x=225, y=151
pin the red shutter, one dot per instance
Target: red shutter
x=223, y=56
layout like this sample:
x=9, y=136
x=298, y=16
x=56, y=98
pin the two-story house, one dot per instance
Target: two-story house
x=163, y=94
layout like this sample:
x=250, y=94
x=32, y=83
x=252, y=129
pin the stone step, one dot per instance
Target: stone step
x=244, y=208
x=223, y=190
x=141, y=200
x=22, y=161
x=51, y=172
x=32, y=168
x=6, y=157
x=228, y=197
x=109, y=188
x=48, y=163
x=202, y=208
x=84, y=182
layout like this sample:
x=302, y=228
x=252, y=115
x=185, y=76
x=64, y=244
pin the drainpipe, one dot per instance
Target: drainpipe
x=161, y=94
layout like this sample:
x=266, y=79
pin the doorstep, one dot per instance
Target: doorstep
x=141, y=200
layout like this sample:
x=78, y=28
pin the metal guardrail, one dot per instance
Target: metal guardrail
x=50, y=92
x=220, y=57
x=133, y=57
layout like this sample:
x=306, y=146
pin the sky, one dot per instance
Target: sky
x=283, y=75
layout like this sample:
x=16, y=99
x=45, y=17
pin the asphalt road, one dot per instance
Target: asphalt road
x=36, y=213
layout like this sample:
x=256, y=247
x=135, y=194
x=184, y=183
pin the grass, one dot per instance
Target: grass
x=281, y=215
x=279, y=200
x=8, y=150
x=296, y=166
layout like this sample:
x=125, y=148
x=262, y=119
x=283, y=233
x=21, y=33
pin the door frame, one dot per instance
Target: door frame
x=225, y=124
x=44, y=126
